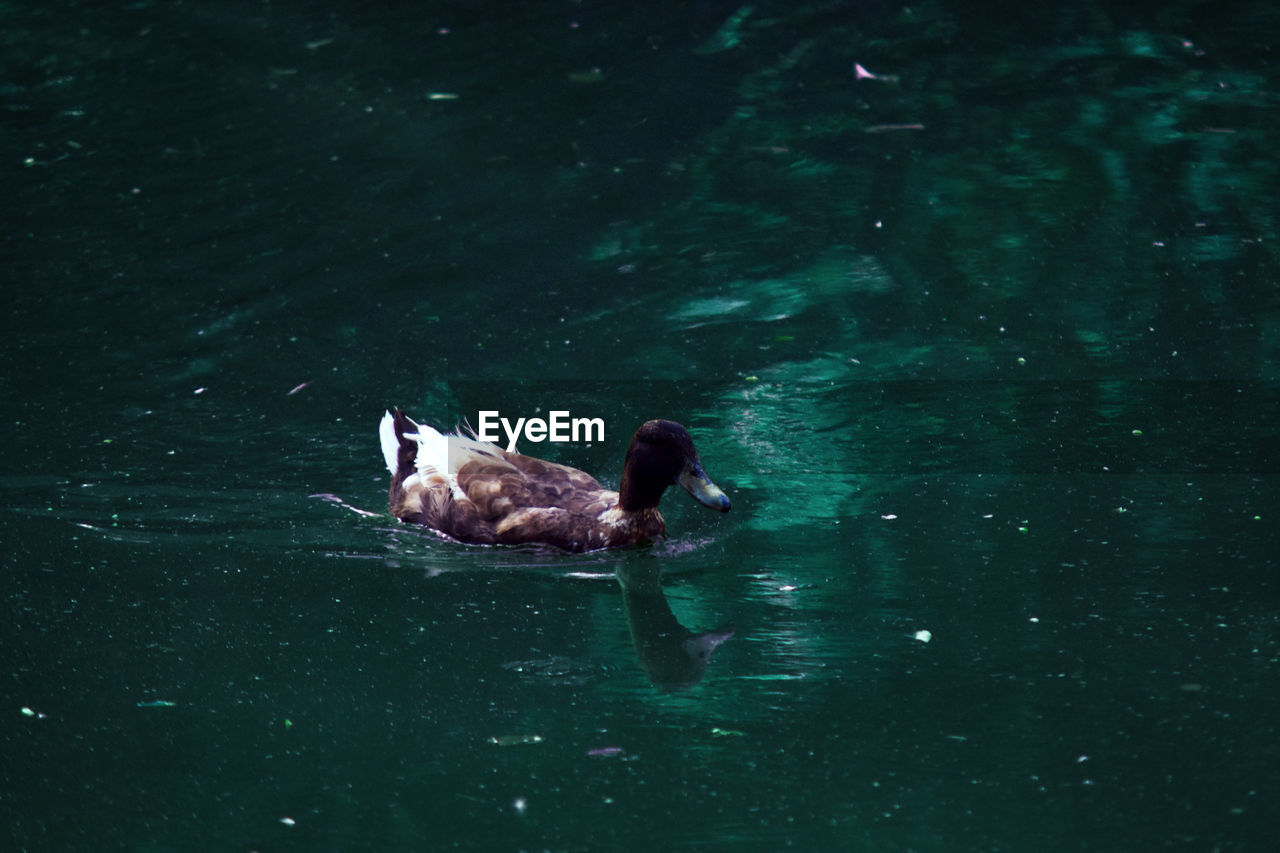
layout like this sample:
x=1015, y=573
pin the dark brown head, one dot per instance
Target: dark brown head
x=662, y=454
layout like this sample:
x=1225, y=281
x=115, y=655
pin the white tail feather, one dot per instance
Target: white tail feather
x=438, y=455
x=433, y=452
x=390, y=445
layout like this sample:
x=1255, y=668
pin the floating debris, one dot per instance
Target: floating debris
x=157, y=703
x=605, y=751
x=923, y=636
x=515, y=740
x=889, y=128
x=861, y=73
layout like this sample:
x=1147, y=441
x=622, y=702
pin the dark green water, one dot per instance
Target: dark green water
x=983, y=346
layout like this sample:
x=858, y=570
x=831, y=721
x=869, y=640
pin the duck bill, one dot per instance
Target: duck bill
x=695, y=481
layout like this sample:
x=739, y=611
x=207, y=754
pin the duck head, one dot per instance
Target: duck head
x=662, y=454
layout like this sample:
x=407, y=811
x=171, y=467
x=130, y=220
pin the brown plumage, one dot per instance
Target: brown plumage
x=476, y=492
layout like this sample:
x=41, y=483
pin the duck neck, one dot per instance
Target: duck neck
x=637, y=493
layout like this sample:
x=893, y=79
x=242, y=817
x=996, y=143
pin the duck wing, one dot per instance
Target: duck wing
x=500, y=483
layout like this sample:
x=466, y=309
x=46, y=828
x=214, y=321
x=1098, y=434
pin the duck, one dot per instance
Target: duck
x=476, y=492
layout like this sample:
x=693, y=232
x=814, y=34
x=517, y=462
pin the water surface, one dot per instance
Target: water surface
x=982, y=346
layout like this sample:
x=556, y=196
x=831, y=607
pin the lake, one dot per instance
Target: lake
x=971, y=309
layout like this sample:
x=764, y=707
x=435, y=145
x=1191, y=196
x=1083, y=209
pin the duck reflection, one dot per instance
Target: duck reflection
x=673, y=657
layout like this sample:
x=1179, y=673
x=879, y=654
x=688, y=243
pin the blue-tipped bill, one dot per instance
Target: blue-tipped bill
x=695, y=481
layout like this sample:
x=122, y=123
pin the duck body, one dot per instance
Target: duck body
x=478, y=493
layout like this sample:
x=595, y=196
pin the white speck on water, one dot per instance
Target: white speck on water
x=923, y=636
